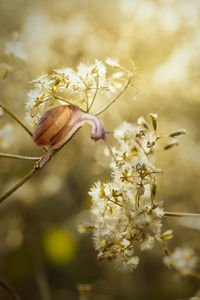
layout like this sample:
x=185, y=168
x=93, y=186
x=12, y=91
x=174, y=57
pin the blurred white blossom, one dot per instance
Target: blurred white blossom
x=183, y=260
x=15, y=48
x=6, y=135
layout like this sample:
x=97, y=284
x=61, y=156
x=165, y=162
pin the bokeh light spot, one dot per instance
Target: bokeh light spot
x=59, y=245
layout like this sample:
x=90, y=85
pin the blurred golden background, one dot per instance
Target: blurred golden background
x=41, y=250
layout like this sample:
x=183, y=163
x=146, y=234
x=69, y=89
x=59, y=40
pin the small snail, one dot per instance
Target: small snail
x=58, y=125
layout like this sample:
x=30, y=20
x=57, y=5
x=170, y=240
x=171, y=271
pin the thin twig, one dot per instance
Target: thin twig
x=35, y=168
x=67, y=101
x=120, y=93
x=117, y=203
x=94, y=97
x=177, y=214
x=8, y=155
x=86, y=93
x=16, y=119
x=19, y=184
x=9, y=290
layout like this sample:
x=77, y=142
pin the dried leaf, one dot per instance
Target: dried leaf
x=141, y=121
x=170, y=145
x=154, y=118
x=178, y=132
x=167, y=235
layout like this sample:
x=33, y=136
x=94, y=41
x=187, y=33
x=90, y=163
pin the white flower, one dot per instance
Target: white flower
x=117, y=75
x=15, y=49
x=42, y=80
x=112, y=62
x=133, y=262
x=6, y=137
x=184, y=260
x=126, y=265
x=66, y=72
x=148, y=243
x=159, y=212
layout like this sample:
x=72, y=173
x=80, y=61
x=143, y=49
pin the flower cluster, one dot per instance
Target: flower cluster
x=78, y=87
x=183, y=260
x=125, y=212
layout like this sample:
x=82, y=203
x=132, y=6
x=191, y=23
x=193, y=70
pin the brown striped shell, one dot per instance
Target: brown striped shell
x=51, y=124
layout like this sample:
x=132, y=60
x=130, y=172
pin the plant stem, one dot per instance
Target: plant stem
x=93, y=99
x=30, y=174
x=64, y=100
x=174, y=214
x=115, y=99
x=16, y=119
x=8, y=155
x=9, y=290
x=20, y=183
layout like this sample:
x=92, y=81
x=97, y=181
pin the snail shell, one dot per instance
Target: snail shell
x=52, y=125
x=58, y=125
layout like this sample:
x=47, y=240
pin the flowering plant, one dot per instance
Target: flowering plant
x=126, y=213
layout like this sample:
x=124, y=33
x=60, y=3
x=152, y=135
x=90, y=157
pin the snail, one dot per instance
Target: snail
x=58, y=125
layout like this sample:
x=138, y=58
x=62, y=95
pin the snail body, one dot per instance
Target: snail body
x=59, y=124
